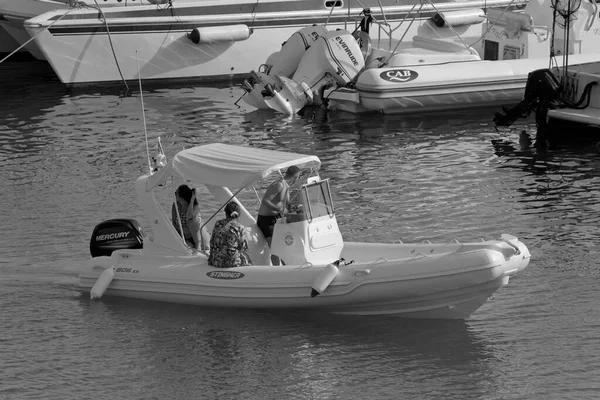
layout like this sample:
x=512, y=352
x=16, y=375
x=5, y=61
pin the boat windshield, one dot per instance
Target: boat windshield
x=316, y=199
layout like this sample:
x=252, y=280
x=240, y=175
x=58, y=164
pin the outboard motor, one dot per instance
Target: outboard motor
x=283, y=63
x=542, y=89
x=336, y=54
x=336, y=58
x=115, y=234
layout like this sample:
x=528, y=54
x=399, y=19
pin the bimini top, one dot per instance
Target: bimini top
x=230, y=166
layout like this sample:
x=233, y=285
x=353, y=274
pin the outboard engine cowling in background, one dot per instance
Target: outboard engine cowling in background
x=336, y=54
x=116, y=234
x=335, y=58
x=285, y=61
x=282, y=63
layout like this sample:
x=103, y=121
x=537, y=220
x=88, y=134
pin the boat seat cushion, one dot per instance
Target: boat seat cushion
x=433, y=51
x=444, y=45
x=506, y=18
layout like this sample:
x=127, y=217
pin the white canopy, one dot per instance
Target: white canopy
x=230, y=166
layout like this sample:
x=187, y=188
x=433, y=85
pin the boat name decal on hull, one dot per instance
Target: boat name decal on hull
x=224, y=275
x=399, y=75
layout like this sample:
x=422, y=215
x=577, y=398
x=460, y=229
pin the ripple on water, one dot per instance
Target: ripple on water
x=70, y=160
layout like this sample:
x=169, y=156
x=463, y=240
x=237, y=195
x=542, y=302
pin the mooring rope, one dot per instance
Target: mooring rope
x=112, y=47
x=32, y=38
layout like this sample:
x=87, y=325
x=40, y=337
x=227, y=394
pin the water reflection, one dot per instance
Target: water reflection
x=321, y=356
x=26, y=104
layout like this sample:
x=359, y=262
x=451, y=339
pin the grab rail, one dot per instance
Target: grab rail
x=428, y=5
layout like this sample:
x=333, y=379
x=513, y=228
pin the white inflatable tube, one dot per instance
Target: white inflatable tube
x=102, y=283
x=324, y=279
x=225, y=33
x=459, y=18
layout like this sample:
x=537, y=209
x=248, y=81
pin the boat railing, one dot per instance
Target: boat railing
x=385, y=27
x=386, y=30
x=588, y=26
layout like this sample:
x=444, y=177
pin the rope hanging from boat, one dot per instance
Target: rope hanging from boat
x=143, y=113
x=329, y=16
x=169, y=4
x=112, y=47
x=567, y=12
x=33, y=37
x=253, y=12
x=385, y=23
x=494, y=21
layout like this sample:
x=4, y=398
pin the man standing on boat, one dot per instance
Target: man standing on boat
x=275, y=203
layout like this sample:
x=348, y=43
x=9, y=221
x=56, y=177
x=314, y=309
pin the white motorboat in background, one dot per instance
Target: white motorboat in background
x=565, y=100
x=580, y=99
x=322, y=272
x=199, y=40
x=13, y=14
x=462, y=59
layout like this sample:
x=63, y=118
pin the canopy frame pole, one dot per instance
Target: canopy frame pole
x=220, y=208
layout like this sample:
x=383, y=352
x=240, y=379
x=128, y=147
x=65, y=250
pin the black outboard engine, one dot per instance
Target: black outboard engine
x=542, y=90
x=116, y=234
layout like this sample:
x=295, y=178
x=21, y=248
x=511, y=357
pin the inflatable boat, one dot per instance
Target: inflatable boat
x=321, y=272
x=457, y=59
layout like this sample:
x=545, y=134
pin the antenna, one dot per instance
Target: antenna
x=143, y=112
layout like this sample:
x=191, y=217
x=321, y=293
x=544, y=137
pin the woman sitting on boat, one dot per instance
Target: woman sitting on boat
x=229, y=243
x=186, y=217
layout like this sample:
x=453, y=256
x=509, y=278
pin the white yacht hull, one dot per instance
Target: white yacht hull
x=153, y=44
x=13, y=15
x=14, y=29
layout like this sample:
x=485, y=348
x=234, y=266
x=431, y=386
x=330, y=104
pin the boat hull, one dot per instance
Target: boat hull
x=577, y=80
x=456, y=304
x=13, y=15
x=443, y=87
x=154, y=45
x=451, y=282
x=14, y=29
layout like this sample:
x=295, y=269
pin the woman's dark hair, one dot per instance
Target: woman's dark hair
x=185, y=192
x=232, y=210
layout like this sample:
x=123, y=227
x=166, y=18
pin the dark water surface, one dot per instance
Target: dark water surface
x=69, y=161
